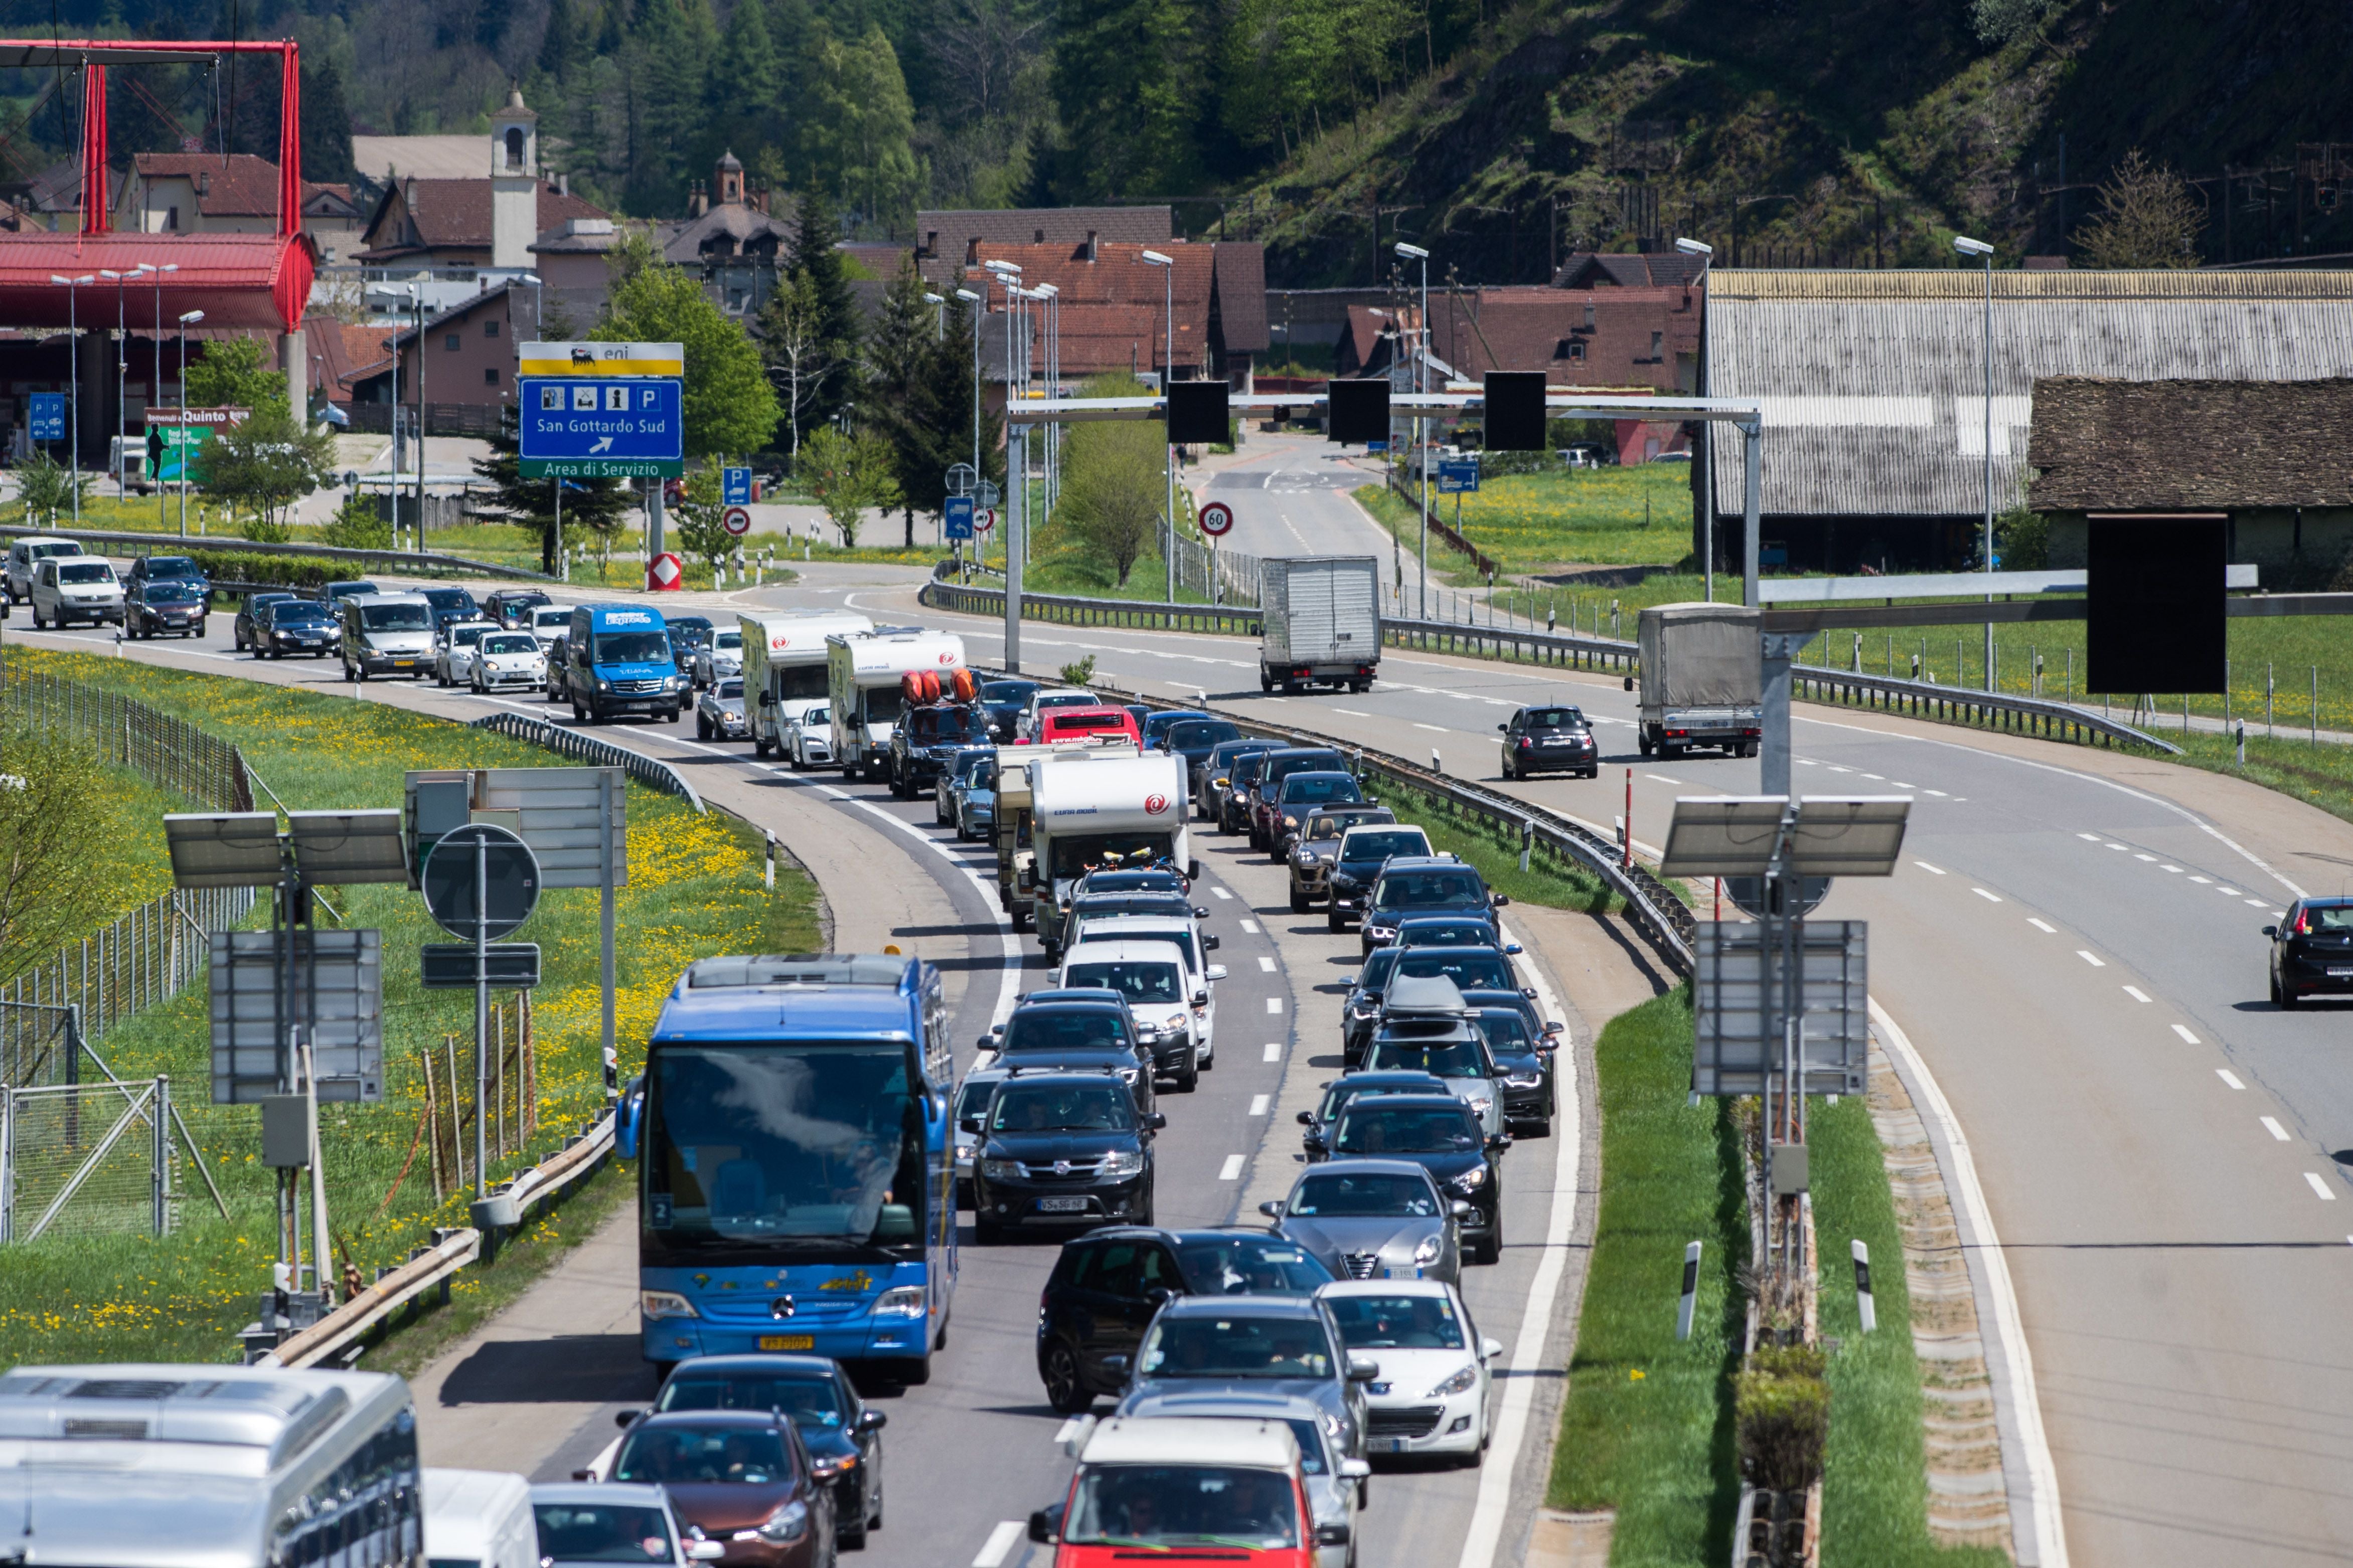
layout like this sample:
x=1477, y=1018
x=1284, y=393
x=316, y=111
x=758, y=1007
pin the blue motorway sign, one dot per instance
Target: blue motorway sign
x=47, y=421
x=958, y=517
x=578, y=427
x=734, y=486
x=1456, y=475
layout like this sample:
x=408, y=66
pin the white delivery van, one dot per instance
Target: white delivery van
x=784, y=667
x=479, y=1518
x=1088, y=804
x=862, y=675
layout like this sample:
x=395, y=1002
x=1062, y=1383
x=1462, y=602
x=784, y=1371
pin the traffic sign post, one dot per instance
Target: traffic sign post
x=665, y=574
x=1457, y=475
x=956, y=516
x=46, y=420
x=481, y=881
x=735, y=487
x=1217, y=520
x=960, y=479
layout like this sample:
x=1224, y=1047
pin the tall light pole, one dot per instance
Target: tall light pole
x=1420, y=424
x=1979, y=248
x=970, y=298
x=1017, y=464
x=1168, y=266
x=73, y=407
x=418, y=528
x=121, y=365
x=186, y=321
x=409, y=289
x=1049, y=319
x=1706, y=254
x=158, y=386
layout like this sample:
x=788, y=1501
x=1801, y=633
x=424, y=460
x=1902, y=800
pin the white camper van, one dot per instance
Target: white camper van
x=863, y=671
x=479, y=1518
x=1089, y=803
x=784, y=667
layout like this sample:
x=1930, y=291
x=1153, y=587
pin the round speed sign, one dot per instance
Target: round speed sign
x=1216, y=519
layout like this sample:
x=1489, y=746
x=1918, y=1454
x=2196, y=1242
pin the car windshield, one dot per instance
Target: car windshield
x=293, y=610
x=1064, y=1029
x=1439, y=1059
x=1157, y=1506
x=1079, y=854
x=1199, y=734
x=1068, y=700
x=728, y=642
x=811, y=1399
x=1438, y=889
x=601, y=1532
x=550, y=617
x=1378, y=966
x=1006, y=693
x=466, y=637
x=1445, y=935
x=1315, y=789
x=85, y=571
x=734, y=688
x=816, y=719
x=1507, y=1031
x=1363, y=1194
x=971, y=1099
x=43, y=551
x=397, y=618
x=511, y=642
x=1381, y=846
x=517, y=604
x=632, y=647
x=346, y=590
x=666, y=1454
x=1105, y=1107
x=925, y=725
x=1201, y=1345
x=688, y=631
x=1471, y=969
x=1397, y=1322
x=978, y=772
x=1373, y=1128
x=1245, y=768
x=1245, y=1265
x=1138, y=979
x=172, y=593
x=1344, y=1094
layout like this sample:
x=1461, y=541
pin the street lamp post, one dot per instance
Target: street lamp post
x=1049, y=319
x=158, y=400
x=1017, y=464
x=409, y=289
x=1168, y=266
x=939, y=304
x=1984, y=252
x=1421, y=425
x=73, y=407
x=186, y=321
x=970, y=298
x=1706, y=254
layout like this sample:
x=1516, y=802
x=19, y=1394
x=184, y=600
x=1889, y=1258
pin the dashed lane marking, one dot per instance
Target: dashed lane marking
x=1258, y=1104
x=2227, y=1076
x=2320, y=1185
x=1000, y=1543
x=2094, y=958
x=1992, y=898
x=2045, y=927
x=1231, y=1170
x=2271, y=1126
x=2187, y=1037
x=1274, y=1050
x=1266, y=963
x=2136, y=992
x=1932, y=871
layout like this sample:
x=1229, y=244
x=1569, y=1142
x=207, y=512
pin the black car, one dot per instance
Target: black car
x=1279, y=766
x=1194, y=739
x=1003, y=701
x=1358, y=866
x=1068, y=1030
x=1432, y=885
x=1470, y=968
x=512, y=607
x=1102, y=906
x=1315, y=848
x=163, y=569
x=1233, y=799
x=1473, y=928
x=450, y=605
x=1524, y=1048
x=295, y=625
x=241, y=628
x=1107, y=1285
x=1360, y=1009
x=686, y=633
x=1443, y=1135
x=1153, y=724
x=1317, y=1140
x=1302, y=792
x=924, y=741
x=1059, y=1149
x=1212, y=775
x=163, y=606
x=1549, y=740
x=822, y=1403
x=2312, y=950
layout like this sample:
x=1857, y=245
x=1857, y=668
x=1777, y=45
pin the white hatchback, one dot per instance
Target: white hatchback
x=453, y=658
x=1435, y=1394
x=507, y=658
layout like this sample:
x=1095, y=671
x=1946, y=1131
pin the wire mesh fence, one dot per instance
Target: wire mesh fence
x=170, y=754
x=92, y=1159
x=1221, y=576
x=146, y=956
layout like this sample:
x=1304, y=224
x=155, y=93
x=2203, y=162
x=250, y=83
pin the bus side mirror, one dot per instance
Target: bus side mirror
x=626, y=1118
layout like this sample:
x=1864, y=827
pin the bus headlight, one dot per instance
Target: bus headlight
x=904, y=1301
x=665, y=1304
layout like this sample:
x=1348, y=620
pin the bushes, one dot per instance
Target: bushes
x=253, y=566
x=1781, y=1414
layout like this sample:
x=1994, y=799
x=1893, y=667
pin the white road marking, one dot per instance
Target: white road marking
x=1220, y=892
x=1274, y=1004
x=2207, y=879
x=2187, y=1037
x=1438, y=729
x=1000, y=1542
x=1934, y=792
x=2137, y=856
x=1258, y=1104
x=1899, y=783
x=1664, y=779
x=2045, y=927
x=2118, y=846
x=1231, y=1170
x=1266, y=963
x=2320, y=1185
x=1066, y=1431
x=2227, y=1076
x=2271, y=1126
x=2094, y=960
x=1274, y=1050
x=1250, y=926
x=1352, y=713
x=1836, y=769
x=2136, y=992
x=1981, y=892
x=2229, y=892
x=1932, y=871
x=2175, y=869
x=2257, y=902
x=1880, y=778
x=2093, y=836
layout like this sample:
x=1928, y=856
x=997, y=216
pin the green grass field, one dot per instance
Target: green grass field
x=695, y=888
x=1535, y=523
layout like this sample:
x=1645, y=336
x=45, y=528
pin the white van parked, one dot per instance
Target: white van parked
x=479, y=1518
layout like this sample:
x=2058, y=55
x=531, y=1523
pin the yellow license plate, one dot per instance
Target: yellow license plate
x=788, y=1342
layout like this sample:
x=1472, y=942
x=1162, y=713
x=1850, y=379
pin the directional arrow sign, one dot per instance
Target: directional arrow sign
x=601, y=427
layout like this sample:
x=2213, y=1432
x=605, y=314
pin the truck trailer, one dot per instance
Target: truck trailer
x=1701, y=672
x=784, y=667
x=1320, y=619
x=862, y=675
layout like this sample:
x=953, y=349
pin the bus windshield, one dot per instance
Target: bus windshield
x=785, y=1150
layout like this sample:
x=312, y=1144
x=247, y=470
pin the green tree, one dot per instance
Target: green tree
x=594, y=507
x=793, y=349
x=702, y=530
x=864, y=129
x=2148, y=217
x=45, y=487
x=357, y=526
x=326, y=121
x=267, y=462
x=730, y=406
x=237, y=372
x=849, y=475
x=902, y=397
x=831, y=377
x=565, y=47
x=1115, y=484
x=1126, y=76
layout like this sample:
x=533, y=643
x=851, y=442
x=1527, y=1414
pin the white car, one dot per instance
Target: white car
x=809, y=738
x=27, y=552
x=1161, y=994
x=1435, y=1394
x=507, y=658
x=1190, y=943
x=549, y=621
x=1053, y=697
x=70, y=588
x=453, y=659
x=720, y=657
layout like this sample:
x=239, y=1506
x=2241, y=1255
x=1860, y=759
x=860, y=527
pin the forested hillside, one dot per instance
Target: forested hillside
x=1850, y=130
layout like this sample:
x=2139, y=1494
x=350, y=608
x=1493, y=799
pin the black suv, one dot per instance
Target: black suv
x=924, y=741
x=241, y=628
x=1279, y=766
x=1443, y=1136
x=1549, y=740
x=450, y=605
x=1192, y=739
x=1358, y=866
x=1524, y=1048
x=512, y=607
x=1242, y=769
x=2312, y=950
x=1077, y=1030
x=686, y=633
x=1341, y=1092
x=1003, y=701
x=1107, y=1285
x=1309, y=790
x=164, y=569
x=294, y=626
x=1434, y=885
x=1059, y=1149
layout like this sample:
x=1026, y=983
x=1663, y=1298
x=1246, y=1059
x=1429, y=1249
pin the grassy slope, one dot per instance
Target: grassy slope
x=695, y=888
x=1535, y=523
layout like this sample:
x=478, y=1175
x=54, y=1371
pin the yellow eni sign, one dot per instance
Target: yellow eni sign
x=604, y=359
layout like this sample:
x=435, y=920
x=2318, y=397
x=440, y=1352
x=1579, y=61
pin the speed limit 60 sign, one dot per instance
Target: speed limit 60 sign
x=1216, y=519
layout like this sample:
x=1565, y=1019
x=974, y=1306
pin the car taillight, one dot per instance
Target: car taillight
x=2304, y=923
x=1526, y=743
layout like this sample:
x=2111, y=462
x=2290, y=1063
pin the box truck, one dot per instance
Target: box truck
x=785, y=671
x=1320, y=618
x=1700, y=669
x=863, y=675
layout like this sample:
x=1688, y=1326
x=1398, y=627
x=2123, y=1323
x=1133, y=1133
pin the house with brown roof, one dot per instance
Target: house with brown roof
x=952, y=234
x=1628, y=270
x=466, y=356
x=731, y=238
x=2267, y=457
x=445, y=224
x=210, y=193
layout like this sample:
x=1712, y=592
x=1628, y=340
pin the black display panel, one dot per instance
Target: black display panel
x=2155, y=621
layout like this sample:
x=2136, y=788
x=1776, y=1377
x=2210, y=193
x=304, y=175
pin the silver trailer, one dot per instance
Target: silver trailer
x=1321, y=619
x=1700, y=673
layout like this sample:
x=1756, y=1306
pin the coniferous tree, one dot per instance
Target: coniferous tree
x=832, y=377
x=901, y=405
x=591, y=506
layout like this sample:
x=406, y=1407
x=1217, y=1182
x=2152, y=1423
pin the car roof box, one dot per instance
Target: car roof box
x=1424, y=994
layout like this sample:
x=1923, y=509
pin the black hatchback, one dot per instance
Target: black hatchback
x=1549, y=740
x=1060, y=1149
x=1107, y=1285
x=2312, y=950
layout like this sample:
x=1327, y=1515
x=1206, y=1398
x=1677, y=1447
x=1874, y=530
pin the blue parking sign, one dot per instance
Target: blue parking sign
x=958, y=517
x=47, y=421
x=576, y=428
x=735, y=487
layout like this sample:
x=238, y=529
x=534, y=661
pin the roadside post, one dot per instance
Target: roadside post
x=1690, y=1292
x=1863, y=1298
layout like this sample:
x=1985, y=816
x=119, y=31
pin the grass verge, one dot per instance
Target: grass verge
x=1494, y=850
x=695, y=889
x=1583, y=517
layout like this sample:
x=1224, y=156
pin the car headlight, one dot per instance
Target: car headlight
x=902, y=1301
x=1526, y=1080
x=1290, y=821
x=1482, y=1103
x=1471, y=1180
x=789, y=1522
x=1431, y=1246
x=1001, y=1170
x=1124, y=1162
x=665, y=1304
x=1365, y=1010
x=1462, y=1382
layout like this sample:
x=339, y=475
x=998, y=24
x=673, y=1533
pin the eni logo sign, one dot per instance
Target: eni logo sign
x=860, y=1281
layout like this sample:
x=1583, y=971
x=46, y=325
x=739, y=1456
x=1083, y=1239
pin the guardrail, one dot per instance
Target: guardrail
x=426, y=561
x=651, y=772
x=1142, y=614
x=1958, y=705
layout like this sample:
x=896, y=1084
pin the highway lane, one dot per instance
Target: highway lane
x=974, y=1449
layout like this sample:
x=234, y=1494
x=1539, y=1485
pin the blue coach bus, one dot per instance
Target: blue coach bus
x=796, y=1173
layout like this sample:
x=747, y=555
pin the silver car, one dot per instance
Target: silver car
x=719, y=711
x=453, y=651
x=972, y=1100
x=604, y=1522
x=717, y=659
x=1336, y=1487
x=1374, y=1219
x=1279, y=1346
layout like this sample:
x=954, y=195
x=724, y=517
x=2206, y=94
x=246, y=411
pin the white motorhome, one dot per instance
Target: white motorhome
x=784, y=667
x=195, y=1467
x=863, y=674
x=479, y=1518
x=1088, y=804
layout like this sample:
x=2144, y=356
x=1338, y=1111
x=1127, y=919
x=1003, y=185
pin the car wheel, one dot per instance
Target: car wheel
x=1066, y=1391
x=2288, y=1000
x=850, y=1535
x=578, y=717
x=1189, y=1078
x=441, y=675
x=1334, y=920
x=2275, y=991
x=986, y=1233
x=701, y=728
x=1298, y=900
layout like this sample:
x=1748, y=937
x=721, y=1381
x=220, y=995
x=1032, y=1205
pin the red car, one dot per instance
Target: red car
x=742, y=1479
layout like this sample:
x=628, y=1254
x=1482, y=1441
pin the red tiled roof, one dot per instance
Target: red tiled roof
x=1590, y=337
x=455, y=214
x=948, y=234
x=237, y=185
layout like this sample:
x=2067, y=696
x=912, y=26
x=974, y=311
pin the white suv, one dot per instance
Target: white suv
x=70, y=588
